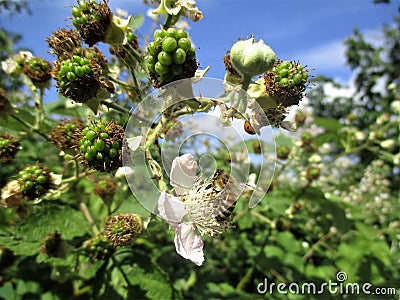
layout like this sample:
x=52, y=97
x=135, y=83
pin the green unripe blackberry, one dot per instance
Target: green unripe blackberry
x=282, y=152
x=312, y=173
x=99, y=247
x=170, y=56
x=306, y=137
x=9, y=146
x=122, y=229
x=105, y=188
x=64, y=135
x=286, y=82
x=100, y=146
x=92, y=20
x=79, y=77
x=38, y=70
x=35, y=181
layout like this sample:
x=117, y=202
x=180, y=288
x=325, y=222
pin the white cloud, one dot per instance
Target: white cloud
x=325, y=57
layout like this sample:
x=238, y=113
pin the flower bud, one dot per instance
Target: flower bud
x=251, y=58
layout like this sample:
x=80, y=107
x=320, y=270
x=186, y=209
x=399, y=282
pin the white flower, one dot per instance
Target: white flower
x=192, y=213
x=181, y=7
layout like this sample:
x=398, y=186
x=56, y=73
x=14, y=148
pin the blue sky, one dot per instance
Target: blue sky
x=311, y=31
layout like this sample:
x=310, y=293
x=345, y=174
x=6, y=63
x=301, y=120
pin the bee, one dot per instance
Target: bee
x=248, y=128
x=226, y=193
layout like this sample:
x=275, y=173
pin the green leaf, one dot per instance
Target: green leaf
x=328, y=124
x=7, y=291
x=283, y=140
x=48, y=218
x=13, y=124
x=155, y=284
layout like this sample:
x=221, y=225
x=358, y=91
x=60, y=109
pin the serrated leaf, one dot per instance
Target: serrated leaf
x=20, y=246
x=155, y=284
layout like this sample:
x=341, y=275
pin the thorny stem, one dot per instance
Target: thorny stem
x=26, y=124
x=39, y=107
x=88, y=217
x=133, y=53
x=322, y=240
x=75, y=177
x=238, y=104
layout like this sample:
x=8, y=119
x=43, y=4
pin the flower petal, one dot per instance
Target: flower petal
x=188, y=243
x=172, y=209
x=183, y=172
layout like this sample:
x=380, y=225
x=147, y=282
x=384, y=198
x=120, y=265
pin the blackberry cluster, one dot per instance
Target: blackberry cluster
x=9, y=146
x=99, y=248
x=286, y=82
x=91, y=19
x=170, y=56
x=64, y=135
x=78, y=78
x=100, y=146
x=34, y=181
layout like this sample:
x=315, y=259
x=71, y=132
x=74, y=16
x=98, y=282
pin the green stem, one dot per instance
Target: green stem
x=246, y=82
x=121, y=83
x=132, y=51
x=88, y=217
x=115, y=106
x=132, y=70
x=26, y=124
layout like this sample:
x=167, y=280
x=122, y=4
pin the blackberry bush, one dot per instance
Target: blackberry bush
x=170, y=56
x=100, y=146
